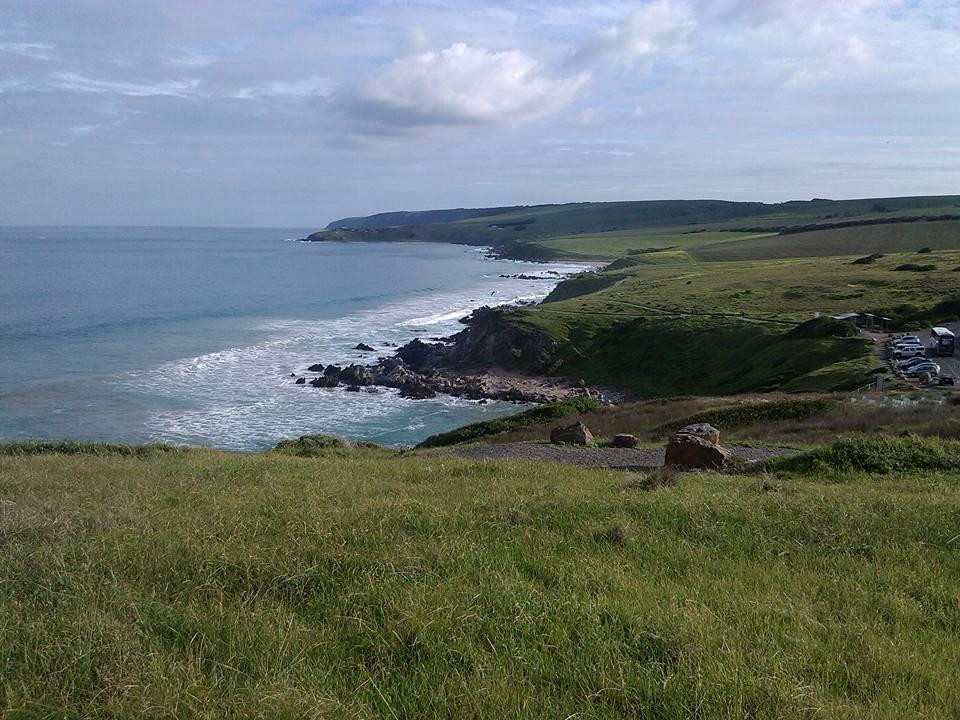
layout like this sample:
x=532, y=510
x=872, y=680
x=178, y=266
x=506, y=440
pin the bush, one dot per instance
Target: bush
x=534, y=416
x=308, y=445
x=750, y=413
x=881, y=454
x=823, y=327
x=913, y=267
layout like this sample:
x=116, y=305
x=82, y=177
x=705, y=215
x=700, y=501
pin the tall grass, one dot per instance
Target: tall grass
x=200, y=584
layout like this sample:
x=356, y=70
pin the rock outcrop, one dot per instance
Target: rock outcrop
x=696, y=446
x=576, y=434
x=363, y=347
x=356, y=375
x=416, y=390
x=625, y=440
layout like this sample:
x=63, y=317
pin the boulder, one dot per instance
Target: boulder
x=316, y=367
x=363, y=347
x=705, y=431
x=625, y=440
x=353, y=388
x=576, y=434
x=300, y=381
x=692, y=451
x=416, y=390
x=356, y=375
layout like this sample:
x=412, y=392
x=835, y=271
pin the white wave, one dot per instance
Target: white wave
x=244, y=398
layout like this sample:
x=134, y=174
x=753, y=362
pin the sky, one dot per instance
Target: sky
x=293, y=113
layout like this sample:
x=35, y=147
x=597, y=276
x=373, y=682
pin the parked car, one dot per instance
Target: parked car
x=909, y=351
x=904, y=364
x=947, y=380
x=931, y=368
x=907, y=340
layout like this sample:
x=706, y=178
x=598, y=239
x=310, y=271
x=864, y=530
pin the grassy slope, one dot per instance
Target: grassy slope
x=202, y=584
x=607, y=230
x=663, y=325
x=705, y=312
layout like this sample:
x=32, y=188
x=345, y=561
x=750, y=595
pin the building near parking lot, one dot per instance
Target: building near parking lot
x=867, y=321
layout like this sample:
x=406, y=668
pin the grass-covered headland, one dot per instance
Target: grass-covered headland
x=701, y=297
x=369, y=584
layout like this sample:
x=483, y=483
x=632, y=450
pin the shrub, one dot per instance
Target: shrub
x=307, y=445
x=879, y=454
x=823, y=327
x=533, y=416
x=750, y=413
x=914, y=267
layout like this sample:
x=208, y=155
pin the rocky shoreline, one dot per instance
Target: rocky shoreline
x=481, y=362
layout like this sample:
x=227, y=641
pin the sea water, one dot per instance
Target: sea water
x=189, y=335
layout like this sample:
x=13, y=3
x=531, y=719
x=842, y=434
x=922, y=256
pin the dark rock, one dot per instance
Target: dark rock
x=576, y=434
x=364, y=347
x=625, y=440
x=300, y=381
x=420, y=355
x=417, y=390
x=318, y=367
x=353, y=388
x=356, y=375
x=293, y=374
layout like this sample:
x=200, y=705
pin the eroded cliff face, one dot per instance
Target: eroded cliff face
x=491, y=340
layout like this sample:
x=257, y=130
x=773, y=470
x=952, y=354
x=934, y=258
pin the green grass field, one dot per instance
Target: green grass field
x=202, y=584
x=706, y=228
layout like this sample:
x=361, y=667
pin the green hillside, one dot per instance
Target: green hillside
x=199, y=584
x=609, y=230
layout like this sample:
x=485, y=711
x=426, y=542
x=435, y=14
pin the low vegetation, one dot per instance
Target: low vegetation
x=196, y=583
x=875, y=453
x=550, y=412
x=93, y=449
x=751, y=414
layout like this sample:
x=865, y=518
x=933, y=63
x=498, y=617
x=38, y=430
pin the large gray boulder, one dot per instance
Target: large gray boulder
x=576, y=434
x=706, y=431
x=696, y=446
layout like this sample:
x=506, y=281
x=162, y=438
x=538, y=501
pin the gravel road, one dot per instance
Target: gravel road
x=618, y=458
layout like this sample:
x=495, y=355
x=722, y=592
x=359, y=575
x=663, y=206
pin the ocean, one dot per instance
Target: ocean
x=189, y=335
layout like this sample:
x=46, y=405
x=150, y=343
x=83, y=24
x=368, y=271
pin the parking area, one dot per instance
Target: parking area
x=949, y=365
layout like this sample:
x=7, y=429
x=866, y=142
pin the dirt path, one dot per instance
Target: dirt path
x=616, y=458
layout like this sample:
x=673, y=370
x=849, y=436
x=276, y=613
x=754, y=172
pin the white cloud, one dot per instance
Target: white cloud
x=192, y=58
x=467, y=85
x=315, y=86
x=79, y=83
x=83, y=129
x=660, y=27
x=34, y=50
